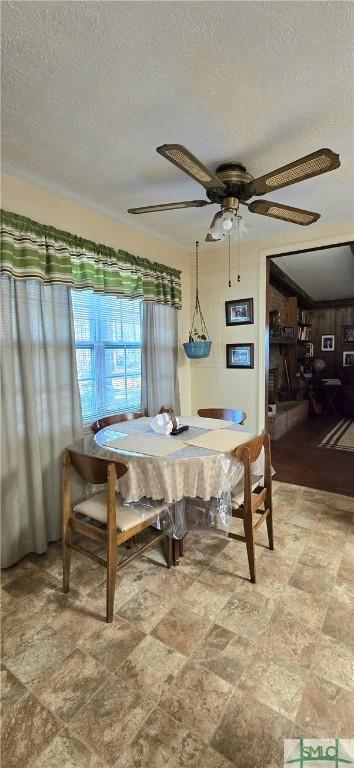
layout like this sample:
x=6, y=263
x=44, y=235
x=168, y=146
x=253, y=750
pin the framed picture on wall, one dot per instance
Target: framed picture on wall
x=327, y=343
x=348, y=358
x=348, y=334
x=240, y=355
x=239, y=312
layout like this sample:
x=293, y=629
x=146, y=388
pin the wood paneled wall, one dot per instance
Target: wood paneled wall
x=331, y=321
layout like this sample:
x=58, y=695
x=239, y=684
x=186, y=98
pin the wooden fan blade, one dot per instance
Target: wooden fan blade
x=170, y=206
x=209, y=238
x=183, y=159
x=321, y=161
x=284, y=212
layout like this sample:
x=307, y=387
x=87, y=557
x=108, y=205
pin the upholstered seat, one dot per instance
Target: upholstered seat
x=126, y=516
x=119, y=522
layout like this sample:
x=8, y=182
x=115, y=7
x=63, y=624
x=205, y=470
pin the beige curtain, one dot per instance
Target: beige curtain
x=40, y=414
x=159, y=358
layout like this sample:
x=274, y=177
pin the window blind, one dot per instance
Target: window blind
x=108, y=353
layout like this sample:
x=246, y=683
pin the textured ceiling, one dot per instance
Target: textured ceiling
x=335, y=266
x=91, y=88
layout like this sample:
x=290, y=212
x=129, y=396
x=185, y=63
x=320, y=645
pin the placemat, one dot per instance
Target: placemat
x=149, y=445
x=203, y=423
x=221, y=440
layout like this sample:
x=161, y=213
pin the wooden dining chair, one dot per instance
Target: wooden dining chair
x=229, y=414
x=115, y=418
x=103, y=518
x=246, y=505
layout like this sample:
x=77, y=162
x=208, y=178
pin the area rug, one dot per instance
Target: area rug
x=340, y=437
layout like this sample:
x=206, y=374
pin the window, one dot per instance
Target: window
x=108, y=353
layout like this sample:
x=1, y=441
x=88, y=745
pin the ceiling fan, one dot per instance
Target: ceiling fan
x=231, y=185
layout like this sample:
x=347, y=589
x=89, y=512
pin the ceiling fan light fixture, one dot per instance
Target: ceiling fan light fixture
x=227, y=220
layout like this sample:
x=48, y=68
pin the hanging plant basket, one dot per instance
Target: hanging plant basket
x=199, y=344
x=197, y=349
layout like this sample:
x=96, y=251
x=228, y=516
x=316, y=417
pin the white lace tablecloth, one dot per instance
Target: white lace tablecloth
x=188, y=472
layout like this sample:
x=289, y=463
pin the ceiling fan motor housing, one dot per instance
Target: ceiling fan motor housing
x=236, y=182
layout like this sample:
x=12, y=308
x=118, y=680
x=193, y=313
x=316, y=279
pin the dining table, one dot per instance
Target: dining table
x=177, y=469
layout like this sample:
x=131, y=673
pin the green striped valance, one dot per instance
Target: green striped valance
x=31, y=250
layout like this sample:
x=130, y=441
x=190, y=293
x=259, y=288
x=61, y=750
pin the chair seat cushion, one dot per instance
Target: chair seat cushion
x=237, y=497
x=126, y=517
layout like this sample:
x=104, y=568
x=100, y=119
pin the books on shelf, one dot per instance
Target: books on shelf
x=304, y=333
x=304, y=316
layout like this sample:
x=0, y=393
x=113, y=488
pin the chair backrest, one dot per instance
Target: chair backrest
x=92, y=469
x=230, y=414
x=248, y=453
x=115, y=418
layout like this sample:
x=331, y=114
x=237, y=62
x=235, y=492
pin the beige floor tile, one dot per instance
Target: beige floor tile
x=193, y=563
x=125, y=590
x=182, y=629
x=66, y=751
x=339, y=622
x=31, y=582
x=247, y=615
x=346, y=568
x=289, y=639
x=197, y=700
x=65, y=689
x=145, y=609
x=281, y=688
x=336, y=501
x=42, y=652
x=225, y=654
x=215, y=576
x=157, y=578
x=162, y=743
x=212, y=759
x=304, y=515
x=332, y=524
x=6, y=603
x=27, y=728
x=205, y=600
x=111, y=719
x=76, y=622
x=326, y=709
x=290, y=540
x=17, y=629
x=334, y=661
x=151, y=667
x=16, y=571
x=318, y=557
x=232, y=559
x=304, y=606
x=316, y=580
x=344, y=591
x=11, y=689
x=110, y=644
x=251, y=734
x=210, y=545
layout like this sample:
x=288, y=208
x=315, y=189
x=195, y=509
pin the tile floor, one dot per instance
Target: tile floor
x=200, y=669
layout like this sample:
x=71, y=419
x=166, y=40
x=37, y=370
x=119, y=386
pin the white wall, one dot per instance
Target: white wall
x=204, y=382
x=24, y=198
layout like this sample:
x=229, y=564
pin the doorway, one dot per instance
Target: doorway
x=310, y=366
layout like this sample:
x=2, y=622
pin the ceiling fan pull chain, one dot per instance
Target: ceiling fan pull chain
x=196, y=272
x=229, y=262
x=238, y=250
